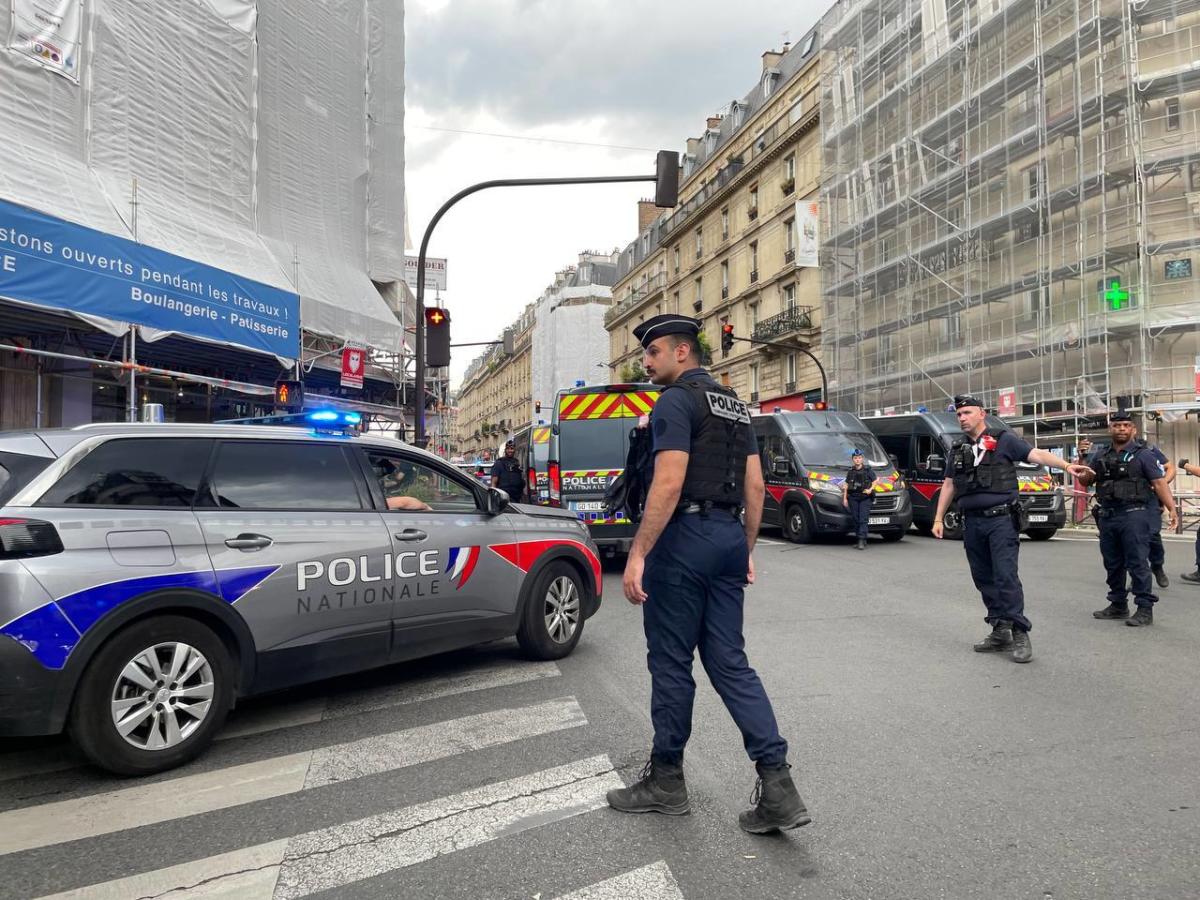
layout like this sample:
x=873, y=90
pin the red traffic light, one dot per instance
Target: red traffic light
x=289, y=396
x=726, y=338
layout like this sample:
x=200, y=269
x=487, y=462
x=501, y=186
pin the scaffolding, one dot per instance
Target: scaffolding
x=1011, y=206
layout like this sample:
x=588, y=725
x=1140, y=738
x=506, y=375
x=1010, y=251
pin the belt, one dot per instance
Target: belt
x=991, y=512
x=703, y=509
x=1118, y=510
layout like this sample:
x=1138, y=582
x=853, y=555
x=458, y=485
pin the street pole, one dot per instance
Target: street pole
x=419, y=437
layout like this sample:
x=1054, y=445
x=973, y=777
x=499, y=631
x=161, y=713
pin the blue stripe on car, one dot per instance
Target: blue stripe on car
x=51, y=632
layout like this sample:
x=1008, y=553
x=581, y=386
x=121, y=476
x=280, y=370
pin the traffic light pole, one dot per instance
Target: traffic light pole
x=419, y=437
x=791, y=348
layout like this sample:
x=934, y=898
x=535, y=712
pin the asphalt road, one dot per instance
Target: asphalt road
x=930, y=771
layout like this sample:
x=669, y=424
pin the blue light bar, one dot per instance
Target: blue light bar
x=324, y=415
x=352, y=418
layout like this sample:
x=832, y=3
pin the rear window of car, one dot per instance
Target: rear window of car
x=160, y=472
x=16, y=471
x=277, y=475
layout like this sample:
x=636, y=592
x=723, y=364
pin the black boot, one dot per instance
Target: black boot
x=1143, y=616
x=661, y=789
x=1001, y=638
x=1191, y=577
x=777, y=803
x=1022, y=648
x=1161, y=577
x=1113, y=611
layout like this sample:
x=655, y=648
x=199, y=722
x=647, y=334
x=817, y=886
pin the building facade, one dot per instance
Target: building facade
x=1011, y=207
x=741, y=246
x=558, y=340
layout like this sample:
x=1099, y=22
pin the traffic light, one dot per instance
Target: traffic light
x=537, y=407
x=666, y=180
x=437, y=337
x=726, y=338
x=289, y=396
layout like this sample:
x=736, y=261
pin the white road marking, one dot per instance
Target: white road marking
x=341, y=855
x=652, y=882
x=85, y=817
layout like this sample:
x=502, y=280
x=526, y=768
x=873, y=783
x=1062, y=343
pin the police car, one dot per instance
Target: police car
x=151, y=575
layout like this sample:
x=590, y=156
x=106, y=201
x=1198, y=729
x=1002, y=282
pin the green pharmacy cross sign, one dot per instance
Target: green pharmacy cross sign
x=1115, y=296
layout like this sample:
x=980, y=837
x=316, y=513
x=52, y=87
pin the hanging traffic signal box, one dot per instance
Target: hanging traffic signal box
x=289, y=396
x=437, y=337
x=726, y=338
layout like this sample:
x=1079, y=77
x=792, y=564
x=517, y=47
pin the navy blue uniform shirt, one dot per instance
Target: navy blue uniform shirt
x=1146, y=463
x=671, y=418
x=1008, y=447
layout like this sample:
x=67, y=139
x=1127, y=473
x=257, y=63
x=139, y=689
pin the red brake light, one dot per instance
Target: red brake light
x=555, y=483
x=25, y=538
x=531, y=477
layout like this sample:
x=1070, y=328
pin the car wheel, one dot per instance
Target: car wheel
x=890, y=537
x=553, y=617
x=796, y=526
x=952, y=525
x=153, y=697
x=1041, y=534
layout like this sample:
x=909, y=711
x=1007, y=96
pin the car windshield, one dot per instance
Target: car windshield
x=593, y=443
x=834, y=449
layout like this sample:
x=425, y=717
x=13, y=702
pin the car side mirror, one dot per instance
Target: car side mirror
x=935, y=464
x=781, y=467
x=497, y=500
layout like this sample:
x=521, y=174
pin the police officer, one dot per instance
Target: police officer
x=982, y=475
x=857, y=491
x=1128, y=478
x=507, y=475
x=687, y=569
x=1158, y=552
x=1192, y=577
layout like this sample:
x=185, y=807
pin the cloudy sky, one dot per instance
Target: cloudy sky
x=554, y=88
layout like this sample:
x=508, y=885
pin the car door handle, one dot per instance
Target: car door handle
x=411, y=535
x=249, y=542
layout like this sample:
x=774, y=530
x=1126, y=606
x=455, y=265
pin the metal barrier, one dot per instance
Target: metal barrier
x=1079, y=503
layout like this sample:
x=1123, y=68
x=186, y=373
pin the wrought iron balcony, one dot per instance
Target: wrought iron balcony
x=789, y=186
x=752, y=214
x=789, y=256
x=790, y=321
x=753, y=275
x=725, y=293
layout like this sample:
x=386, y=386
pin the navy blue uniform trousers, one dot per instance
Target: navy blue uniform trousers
x=694, y=581
x=1125, y=546
x=1158, y=553
x=860, y=512
x=992, y=544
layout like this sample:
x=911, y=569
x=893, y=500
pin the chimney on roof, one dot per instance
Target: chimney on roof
x=693, y=146
x=771, y=59
x=714, y=122
x=647, y=213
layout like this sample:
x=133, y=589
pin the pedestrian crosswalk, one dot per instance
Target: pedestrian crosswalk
x=279, y=856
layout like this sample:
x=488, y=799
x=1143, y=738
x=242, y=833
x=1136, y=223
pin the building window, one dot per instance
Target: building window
x=677, y=301
x=699, y=242
x=754, y=381
x=753, y=316
x=789, y=238
x=678, y=257
x=1173, y=114
x=767, y=82
x=789, y=169
x=753, y=261
x=645, y=243
x=1033, y=181
x=789, y=296
x=725, y=280
x=753, y=213
x=725, y=223
x=1037, y=303
x=698, y=302
x=791, y=372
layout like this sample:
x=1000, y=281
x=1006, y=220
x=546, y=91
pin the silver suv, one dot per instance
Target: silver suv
x=150, y=575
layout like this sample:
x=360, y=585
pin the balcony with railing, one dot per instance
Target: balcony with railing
x=638, y=295
x=789, y=255
x=727, y=173
x=793, y=320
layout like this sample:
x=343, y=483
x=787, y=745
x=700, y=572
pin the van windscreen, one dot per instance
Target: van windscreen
x=833, y=450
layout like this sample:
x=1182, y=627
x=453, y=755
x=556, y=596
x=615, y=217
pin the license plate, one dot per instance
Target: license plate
x=879, y=520
x=1039, y=518
x=589, y=506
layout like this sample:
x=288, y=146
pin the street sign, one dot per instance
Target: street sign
x=435, y=273
x=353, y=362
x=1008, y=402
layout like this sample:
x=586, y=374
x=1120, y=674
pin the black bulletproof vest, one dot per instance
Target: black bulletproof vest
x=858, y=480
x=990, y=476
x=510, y=477
x=716, y=471
x=1115, y=483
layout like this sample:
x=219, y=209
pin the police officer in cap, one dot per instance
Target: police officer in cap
x=1129, y=479
x=857, y=492
x=506, y=474
x=982, y=475
x=687, y=570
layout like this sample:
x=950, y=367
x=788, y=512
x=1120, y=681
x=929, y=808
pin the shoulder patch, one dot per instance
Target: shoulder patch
x=727, y=407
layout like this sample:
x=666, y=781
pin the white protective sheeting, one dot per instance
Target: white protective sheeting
x=245, y=125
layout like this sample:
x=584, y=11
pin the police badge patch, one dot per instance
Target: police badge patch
x=727, y=407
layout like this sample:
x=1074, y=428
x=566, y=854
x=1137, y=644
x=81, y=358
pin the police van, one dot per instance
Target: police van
x=533, y=453
x=921, y=442
x=151, y=575
x=805, y=456
x=589, y=440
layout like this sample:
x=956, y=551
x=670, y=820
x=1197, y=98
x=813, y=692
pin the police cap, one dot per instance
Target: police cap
x=964, y=400
x=1120, y=415
x=857, y=452
x=659, y=326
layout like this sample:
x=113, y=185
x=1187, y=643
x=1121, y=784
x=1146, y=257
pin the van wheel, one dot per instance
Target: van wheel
x=797, y=527
x=553, y=618
x=1041, y=534
x=153, y=697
